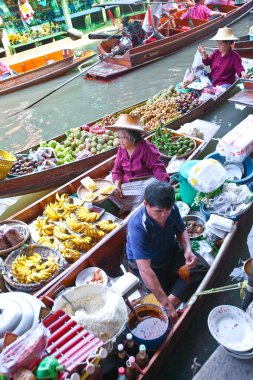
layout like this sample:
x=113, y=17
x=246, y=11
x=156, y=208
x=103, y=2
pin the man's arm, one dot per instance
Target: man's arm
x=152, y=283
x=184, y=240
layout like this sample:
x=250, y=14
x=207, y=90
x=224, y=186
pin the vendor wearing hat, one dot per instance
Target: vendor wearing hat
x=136, y=158
x=225, y=63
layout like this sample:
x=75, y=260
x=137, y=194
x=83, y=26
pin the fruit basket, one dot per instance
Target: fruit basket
x=7, y=160
x=97, y=195
x=170, y=145
x=23, y=230
x=29, y=269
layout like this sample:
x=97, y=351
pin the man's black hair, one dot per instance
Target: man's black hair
x=160, y=194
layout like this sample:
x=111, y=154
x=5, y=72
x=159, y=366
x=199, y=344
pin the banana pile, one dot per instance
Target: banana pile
x=69, y=228
x=34, y=269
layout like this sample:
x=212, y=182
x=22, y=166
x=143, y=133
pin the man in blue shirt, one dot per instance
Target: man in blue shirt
x=158, y=245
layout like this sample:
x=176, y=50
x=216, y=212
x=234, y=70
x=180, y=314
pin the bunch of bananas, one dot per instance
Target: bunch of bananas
x=32, y=269
x=74, y=225
x=79, y=243
x=86, y=215
x=71, y=255
x=62, y=234
x=93, y=232
x=48, y=242
x=53, y=212
x=107, y=225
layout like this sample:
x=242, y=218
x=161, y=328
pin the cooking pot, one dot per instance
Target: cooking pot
x=76, y=294
x=247, y=266
x=151, y=332
x=187, y=192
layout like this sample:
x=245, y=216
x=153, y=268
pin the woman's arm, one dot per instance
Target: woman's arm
x=153, y=162
x=118, y=173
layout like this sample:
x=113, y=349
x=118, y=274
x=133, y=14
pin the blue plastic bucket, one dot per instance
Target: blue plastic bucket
x=247, y=164
x=143, y=311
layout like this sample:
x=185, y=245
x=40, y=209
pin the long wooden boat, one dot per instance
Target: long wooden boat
x=54, y=177
x=176, y=36
x=42, y=68
x=107, y=254
x=31, y=212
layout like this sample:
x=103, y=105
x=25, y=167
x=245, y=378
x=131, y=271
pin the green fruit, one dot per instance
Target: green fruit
x=100, y=141
x=68, y=158
x=43, y=144
x=60, y=155
x=67, y=143
x=99, y=147
x=110, y=143
x=93, y=150
x=52, y=143
x=93, y=144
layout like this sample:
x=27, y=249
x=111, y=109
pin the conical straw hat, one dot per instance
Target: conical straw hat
x=130, y=122
x=224, y=34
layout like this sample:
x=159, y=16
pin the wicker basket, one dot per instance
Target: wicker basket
x=22, y=228
x=7, y=160
x=44, y=252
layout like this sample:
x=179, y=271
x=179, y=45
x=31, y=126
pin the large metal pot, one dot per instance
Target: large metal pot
x=77, y=294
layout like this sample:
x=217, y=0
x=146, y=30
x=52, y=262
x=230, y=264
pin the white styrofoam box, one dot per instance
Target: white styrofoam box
x=221, y=234
x=221, y=223
x=125, y=283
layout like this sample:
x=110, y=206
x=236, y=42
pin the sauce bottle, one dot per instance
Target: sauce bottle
x=122, y=356
x=121, y=373
x=142, y=357
x=130, y=346
x=131, y=369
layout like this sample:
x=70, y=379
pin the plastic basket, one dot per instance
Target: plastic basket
x=7, y=160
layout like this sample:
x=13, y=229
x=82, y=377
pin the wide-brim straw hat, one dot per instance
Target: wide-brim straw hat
x=224, y=34
x=130, y=122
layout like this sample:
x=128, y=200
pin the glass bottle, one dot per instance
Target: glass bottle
x=122, y=356
x=131, y=369
x=121, y=373
x=130, y=346
x=142, y=357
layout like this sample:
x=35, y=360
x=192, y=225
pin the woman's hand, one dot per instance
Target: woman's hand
x=118, y=192
x=202, y=51
x=244, y=75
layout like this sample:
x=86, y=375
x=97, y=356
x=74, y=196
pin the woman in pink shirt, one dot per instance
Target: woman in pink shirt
x=136, y=157
x=200, y=11
x=224, y=62
x=5, y=70
x=137, y=163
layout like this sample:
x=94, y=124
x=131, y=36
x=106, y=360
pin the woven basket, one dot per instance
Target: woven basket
x=22, y=228
x=100, y=182
x=44, y=252
x=7, y=160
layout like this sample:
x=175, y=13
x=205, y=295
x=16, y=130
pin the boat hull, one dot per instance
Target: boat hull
x=139, y=56
x=43, y=73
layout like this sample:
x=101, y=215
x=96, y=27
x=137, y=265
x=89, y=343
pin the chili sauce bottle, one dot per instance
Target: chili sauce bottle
x=142, y=357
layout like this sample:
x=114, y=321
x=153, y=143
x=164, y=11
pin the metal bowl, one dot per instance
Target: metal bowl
x=197, y=219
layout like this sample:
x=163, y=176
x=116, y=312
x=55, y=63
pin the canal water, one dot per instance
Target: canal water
x=82, y=101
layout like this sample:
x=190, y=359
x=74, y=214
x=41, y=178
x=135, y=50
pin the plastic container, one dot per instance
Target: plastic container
x=207, y=175
x=247, y=165
x=187, y=192
x=206, y=214
x=250, y=37
x=182, y=90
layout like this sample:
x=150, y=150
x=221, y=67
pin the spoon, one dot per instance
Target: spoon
x=70, y=303
x=133, y=309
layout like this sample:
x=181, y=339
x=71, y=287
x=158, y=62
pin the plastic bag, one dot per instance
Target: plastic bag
x=197, y=61
x=237, y=144
x=24, y=351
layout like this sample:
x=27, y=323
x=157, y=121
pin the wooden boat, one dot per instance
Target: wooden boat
x=245, y=96
x=107, y=254
x=47, y=179
x=31, y=212
x=42, y=68
x=177, y=35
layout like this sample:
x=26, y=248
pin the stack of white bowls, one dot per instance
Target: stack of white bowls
x=233, y=329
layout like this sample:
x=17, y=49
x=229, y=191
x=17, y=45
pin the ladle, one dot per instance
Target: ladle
x=69, y=302
x=132, y=309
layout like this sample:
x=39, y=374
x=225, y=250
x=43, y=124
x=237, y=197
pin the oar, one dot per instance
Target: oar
x=54, y=90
